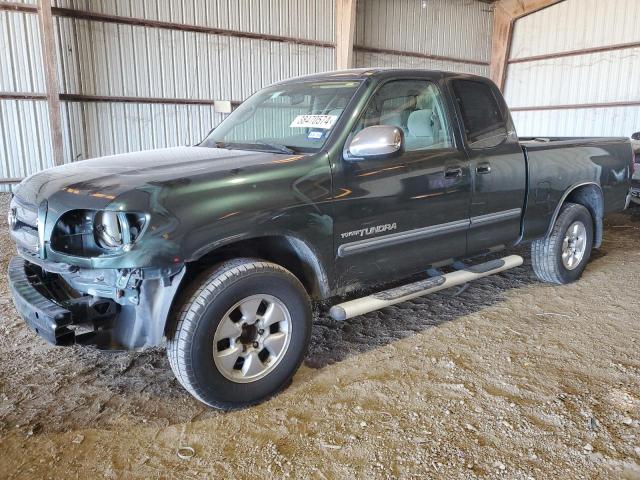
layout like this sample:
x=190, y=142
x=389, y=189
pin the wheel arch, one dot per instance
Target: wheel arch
x=288, y=251
x=589, y=195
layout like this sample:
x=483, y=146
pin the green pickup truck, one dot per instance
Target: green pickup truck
x=351, y=190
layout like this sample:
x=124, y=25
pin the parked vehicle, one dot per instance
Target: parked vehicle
x=635, y=179
x=315, y=189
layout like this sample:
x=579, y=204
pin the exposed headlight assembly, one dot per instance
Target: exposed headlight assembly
x=117, y=230
x=89, y=233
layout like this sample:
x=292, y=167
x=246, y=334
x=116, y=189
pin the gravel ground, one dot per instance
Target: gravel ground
x=510, y=378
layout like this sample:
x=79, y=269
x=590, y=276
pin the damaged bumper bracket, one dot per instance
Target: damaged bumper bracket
x=74, y=307
x=75, y=319
x=48, y=319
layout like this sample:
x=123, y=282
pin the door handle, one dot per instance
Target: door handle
x=453, y=172
x=483, y=168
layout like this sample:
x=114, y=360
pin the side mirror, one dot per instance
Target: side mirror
x=376, y=142
x=635, y=136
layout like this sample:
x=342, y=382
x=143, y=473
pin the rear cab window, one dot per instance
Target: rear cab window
x=484, y=123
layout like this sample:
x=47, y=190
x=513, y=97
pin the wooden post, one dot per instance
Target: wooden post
x=505, y=14
x=345, y=30
x=500, y=45
x=49, y=59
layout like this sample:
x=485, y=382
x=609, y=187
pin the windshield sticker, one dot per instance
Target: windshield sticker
x=324, y=122
x=315, y=134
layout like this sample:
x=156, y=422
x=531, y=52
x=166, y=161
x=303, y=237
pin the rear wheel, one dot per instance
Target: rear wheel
x=563, y=255
x=241, y=336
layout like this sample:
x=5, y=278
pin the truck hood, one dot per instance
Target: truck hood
x=102, y=180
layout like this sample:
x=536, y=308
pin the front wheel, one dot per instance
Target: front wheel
x=563, y=255
x=241, y=336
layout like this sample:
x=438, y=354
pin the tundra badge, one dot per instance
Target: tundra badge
x=371, y=230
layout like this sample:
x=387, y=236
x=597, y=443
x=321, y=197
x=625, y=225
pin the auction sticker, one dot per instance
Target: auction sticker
x=324, y=122
x=315, y=135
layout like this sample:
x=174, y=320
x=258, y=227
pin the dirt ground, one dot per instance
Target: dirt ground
x=511, y=378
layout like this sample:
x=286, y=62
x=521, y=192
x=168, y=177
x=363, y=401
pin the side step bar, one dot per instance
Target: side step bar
x=386, y=298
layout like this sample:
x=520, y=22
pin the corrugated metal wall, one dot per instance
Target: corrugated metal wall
x=25, y=138
x=379, y=59
x=20, y=55
x=311, y=19
x=95, y=129
x=580, y=78
x=24, y=131
x=122, y=60
x=459, y=29
x=110, y=59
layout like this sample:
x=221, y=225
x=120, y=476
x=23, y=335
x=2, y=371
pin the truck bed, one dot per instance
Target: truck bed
x=556, y=164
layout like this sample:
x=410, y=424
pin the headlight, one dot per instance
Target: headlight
x=108, y=230
x=90, y=233
x=115, y=230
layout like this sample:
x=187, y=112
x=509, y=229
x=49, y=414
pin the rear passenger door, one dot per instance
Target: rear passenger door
x=497, y=165
x=396, y=215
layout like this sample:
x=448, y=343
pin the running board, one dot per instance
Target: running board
x=386, y=298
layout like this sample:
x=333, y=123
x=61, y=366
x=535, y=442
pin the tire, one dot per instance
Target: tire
x=212, y=320
x=547, y=253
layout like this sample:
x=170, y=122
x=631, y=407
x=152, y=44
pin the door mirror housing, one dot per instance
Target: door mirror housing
x=635, y=136
x=379, y=141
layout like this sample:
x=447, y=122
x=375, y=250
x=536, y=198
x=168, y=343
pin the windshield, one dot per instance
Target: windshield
x=290, y=118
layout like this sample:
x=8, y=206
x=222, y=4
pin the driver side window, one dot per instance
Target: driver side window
x=415, y=107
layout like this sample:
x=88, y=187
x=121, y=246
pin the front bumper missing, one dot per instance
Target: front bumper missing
x=81, y=306
x=40, y=299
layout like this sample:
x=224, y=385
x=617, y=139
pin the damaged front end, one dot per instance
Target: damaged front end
x=112, y=308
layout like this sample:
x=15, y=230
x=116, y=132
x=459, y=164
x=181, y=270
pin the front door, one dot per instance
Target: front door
x=396, y=216
x=497, y=165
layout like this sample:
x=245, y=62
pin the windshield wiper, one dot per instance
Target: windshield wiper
x=257, y=143
x=276, y=146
